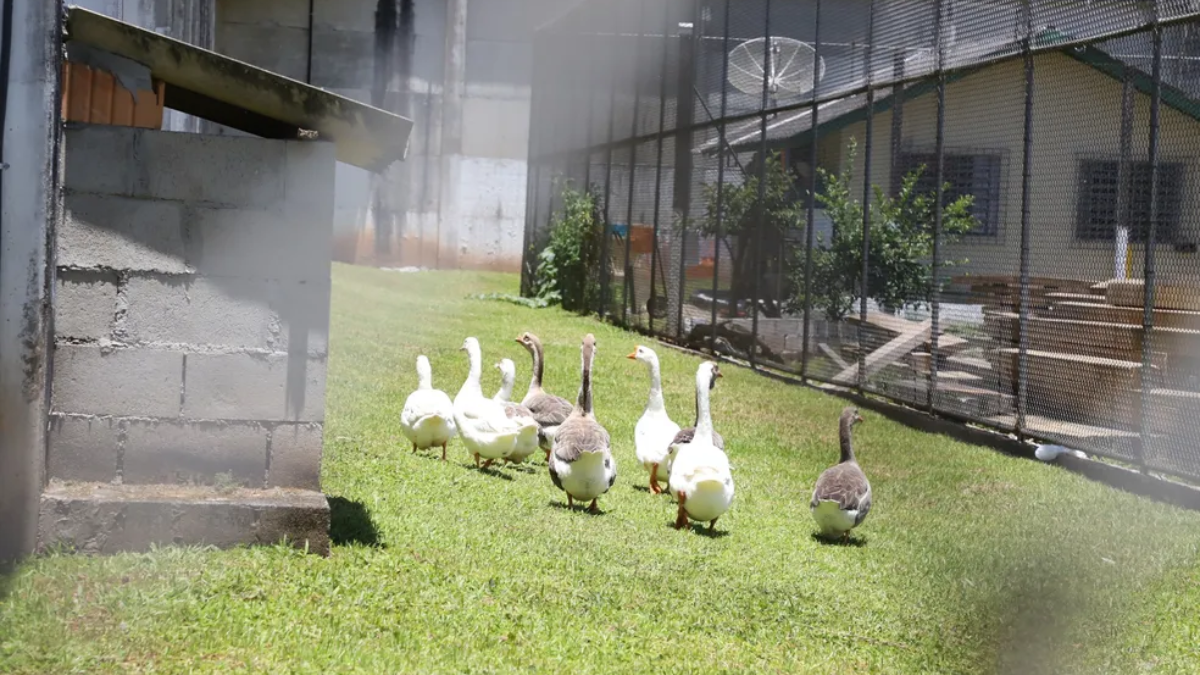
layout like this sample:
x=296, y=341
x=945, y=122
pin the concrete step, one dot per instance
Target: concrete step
x=98, y=518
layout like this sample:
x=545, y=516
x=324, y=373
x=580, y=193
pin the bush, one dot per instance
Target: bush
x=568, y=268
x=901, y=252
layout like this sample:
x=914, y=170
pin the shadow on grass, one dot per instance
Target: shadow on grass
x=856, y=541
x=577, y=508
x=350, y=523
x=492, y=471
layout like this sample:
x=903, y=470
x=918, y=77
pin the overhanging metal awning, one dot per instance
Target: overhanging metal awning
x=211, y=86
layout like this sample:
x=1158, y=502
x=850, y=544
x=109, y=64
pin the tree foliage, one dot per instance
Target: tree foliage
x=901, y=245
x=568, y=267
x=739, y=222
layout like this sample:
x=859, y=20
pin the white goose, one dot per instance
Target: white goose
x=428, y=416
x=488, y=428
x=581, y=463
x=701, y=479
x=508, y=377
x=654, y=431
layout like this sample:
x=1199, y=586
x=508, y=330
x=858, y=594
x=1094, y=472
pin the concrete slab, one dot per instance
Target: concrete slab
x=92, y=518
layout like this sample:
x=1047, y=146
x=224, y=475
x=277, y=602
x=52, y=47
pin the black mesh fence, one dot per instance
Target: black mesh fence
x=989, y=210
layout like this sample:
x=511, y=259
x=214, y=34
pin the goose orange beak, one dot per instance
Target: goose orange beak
x=632, y=355
x=518, y=340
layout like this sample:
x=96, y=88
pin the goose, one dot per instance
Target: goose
x=488, y=429
x=508, y=377
x=549, y=410
x=684, y=437
x=654, y=431
x=428, y=416
x=842, y=496
x=581, y=463
x=701, y=479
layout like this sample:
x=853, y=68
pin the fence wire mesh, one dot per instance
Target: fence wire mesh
x=989, y=210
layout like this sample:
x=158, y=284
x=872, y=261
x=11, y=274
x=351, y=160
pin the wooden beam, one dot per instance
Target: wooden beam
x=891, y=352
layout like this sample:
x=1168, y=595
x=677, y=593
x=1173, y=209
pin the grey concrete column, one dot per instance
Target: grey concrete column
x=453, y=92
x=29, y=203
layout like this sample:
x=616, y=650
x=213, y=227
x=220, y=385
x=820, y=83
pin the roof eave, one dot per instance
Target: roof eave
x=227, y=91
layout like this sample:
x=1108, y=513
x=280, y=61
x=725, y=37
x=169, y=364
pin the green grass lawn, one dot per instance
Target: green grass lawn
x=970, y=562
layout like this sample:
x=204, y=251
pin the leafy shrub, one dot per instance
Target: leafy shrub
x=568, y=268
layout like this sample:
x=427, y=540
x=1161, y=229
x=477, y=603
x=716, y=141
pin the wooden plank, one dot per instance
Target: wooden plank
x=1163, y=318
x=896, y=325
x=1095, y=338
x=891, y=352
x=1048, y=426
x=1131, y=293
x=833, y=355
x=1077, y=297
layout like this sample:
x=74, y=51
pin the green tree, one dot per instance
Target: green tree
x=739, y=224
x=901, y=245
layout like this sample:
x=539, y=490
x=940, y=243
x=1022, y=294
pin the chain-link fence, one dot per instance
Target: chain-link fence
x=986, y=209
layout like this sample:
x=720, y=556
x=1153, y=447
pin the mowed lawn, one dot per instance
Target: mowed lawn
x=970, y=562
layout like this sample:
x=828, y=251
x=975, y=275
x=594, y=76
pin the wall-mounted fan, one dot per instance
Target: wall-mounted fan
x=789, y=71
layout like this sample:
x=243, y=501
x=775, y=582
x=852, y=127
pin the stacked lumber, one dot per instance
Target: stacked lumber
x=1085, y=348
x=1003, y=293
x=1075, y=387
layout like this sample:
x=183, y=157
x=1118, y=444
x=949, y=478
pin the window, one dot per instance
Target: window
x=977, y=175
x=1099, y=191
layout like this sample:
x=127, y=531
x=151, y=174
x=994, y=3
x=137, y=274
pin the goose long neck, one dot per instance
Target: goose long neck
x=476, y=372
x=844, y=438
x=506, y=386
x=704, y=425
x=655, y=402
x=535, y=383
x=424, y=375
x=584, y=403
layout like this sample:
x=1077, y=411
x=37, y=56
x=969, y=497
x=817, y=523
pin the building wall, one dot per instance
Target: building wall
x=458, y=200
x=1077, y=114
x=191, y=309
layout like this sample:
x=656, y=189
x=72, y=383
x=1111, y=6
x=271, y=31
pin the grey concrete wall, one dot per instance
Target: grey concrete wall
x=459, y=198
x=191, y=309
x=28, y=206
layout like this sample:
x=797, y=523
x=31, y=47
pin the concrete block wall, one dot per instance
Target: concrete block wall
x=191, y=309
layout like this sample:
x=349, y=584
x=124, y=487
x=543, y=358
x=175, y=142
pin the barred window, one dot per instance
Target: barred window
x=1099, y=200
x=977, y=175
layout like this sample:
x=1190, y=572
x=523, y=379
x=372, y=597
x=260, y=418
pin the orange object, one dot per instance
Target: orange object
x=702, y=271
x=95, y=97
x=641, y=240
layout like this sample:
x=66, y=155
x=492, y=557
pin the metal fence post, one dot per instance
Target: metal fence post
x=610, y=58
x=811, y=225
x=685, y=109
x=1026, y=178
x=658, y=162
x=1124, y=178
x=939, y=175
x=721, y=129
x=1150, y=272
x=864, y=284
x=626, y=273
x=760, y=215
